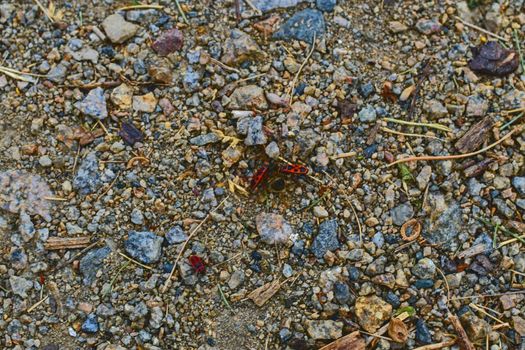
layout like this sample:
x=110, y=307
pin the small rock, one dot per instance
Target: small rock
x=130, y=134
x=94, y=104
x=118, y=29
x=272, y=150
x=144, y=246
x=45, y=161
x=519, y=184
x=268, y=5
x=255, y=135
x=444, y=229
x=91, y=263
x=423, y=177
x=88, y=178
x=423, y=335
x=436, y=109
x=303, y=25
x=477, y=106
x=287, y=271
x=425, y=269
x=248, y=97
x=20, y=286
x=18, y=258
x=341, y=292
x=519, y=325
x=58, y=73
x=272, y=228
x=326, y=5
x=156, y=317
x=402, y=213
x=137, y=217
x=366, y=90
x=205, y=139
x=176, y=235
x=367, y=114
x=168, y=42
x=324, y=329
x=397, y=27
x=239, y=48
x=493, y=59
x=90, y=325
x=371, y=312
x=236, y=279
x=428, y=26
x=320, y=212
x=145, y=103
x=26, y=227
x=122, y=96
x=326, y=240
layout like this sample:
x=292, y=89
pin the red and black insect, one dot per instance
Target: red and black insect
x=197, y=264
x=295, y=169
x=260, y=175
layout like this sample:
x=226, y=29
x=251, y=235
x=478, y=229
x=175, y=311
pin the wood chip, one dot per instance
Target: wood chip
x=463, y=341
x=475, y=136
x=352, y=341
x=398, y=331
x=262, y=294
x=57, y=243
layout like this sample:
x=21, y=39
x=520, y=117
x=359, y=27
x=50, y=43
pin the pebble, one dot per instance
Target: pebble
x=205, y=139
x=20, y=286
x=519, y=184
x=493, y=59
x=371, y=312
x=137, y=217
x=176, y=235
x=428, y=26
x=367, y=114
x=326, y=5
x=366, y=90
x=341, y=292
x=402, y=213
x=477, y=106
x=320, y=212
x=94, y=104
x=255, y=134
x=122, y=96
x=240, y=47
x=26, y=227
x=287, y=271
x=145, y=103
x=91, y=263
x=45, y=161
x=423, y=177
x=88, y=178
x=324, y=329
x=423, y=335
x=326, y=240
x=144, y=246
x=18, y=258
x=248, y=97
x=273, y=228
x=90, y=325
x=272, y=150
x=130, y=134
x=58, y=73
x=397, y=27
x=118, y=29
x=436, y=109
x=168, y=42
x=236, y=279
x=303, y=25
x=424, y=269
x=268, y=5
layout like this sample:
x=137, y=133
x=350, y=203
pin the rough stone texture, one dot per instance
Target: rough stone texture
x=371, y=312
x=248, y=97
x=118, y=29
x=326, y=240
x=94, y=104
x=20, y=286
x=91, y=263
x=273, y=228
x=303, y=25
x=168, y=42
x=239, y=48
x=88, y=178
x=145, y=246
x=324, y=329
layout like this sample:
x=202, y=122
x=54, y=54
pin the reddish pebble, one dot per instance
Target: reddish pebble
x=389, y=157
x=168, y=42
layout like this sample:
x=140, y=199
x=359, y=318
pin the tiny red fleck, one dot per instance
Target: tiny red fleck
x=42, y=279
x=261, y=174
x=197, y=264
x=294, y=169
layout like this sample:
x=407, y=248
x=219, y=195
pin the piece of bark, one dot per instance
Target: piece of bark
x=463, y=341
x=475, y=136
x=478, y=168
x=473, y=251
x=262, y=294
x=56, y=243
x=350, y=341
x=398, y=331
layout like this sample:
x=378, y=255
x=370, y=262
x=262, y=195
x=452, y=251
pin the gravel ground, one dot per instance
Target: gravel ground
x=146, y=201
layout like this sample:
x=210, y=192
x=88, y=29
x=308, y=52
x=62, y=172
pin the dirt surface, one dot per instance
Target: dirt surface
x=205, y=149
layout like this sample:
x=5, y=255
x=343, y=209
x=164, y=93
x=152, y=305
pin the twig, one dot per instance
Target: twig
x=45, y=11
x=296, y=77
x=463, y=341
x=141, y=7
x=446, y=283
x=473, y=26
x=488, y=295
x=428, y=125
x=376, y=336
x=109, y=187
x=437, y=345
x=231, y=69
x=223, y=297
x=135, y=261
x=512, y=121
x=455, y=156
x=522, y=61
x=424, y=73
x=56, y=199
x=344, y=155
x=250, y=78
x=476, y=307
x=184, y=18
x=76, y=159
x=64, y=263
x=126, y=264
x=512, y=240
x=384, y=128
x=165, y=287
x=358, y=222
x=35, y=305
x=250, y=3
x=58, y=243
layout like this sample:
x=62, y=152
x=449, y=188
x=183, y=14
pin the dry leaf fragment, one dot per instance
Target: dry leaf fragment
x=397, y=330
x=233, y=187
x=350, y=341
x=262, y=294
x=407, y=92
